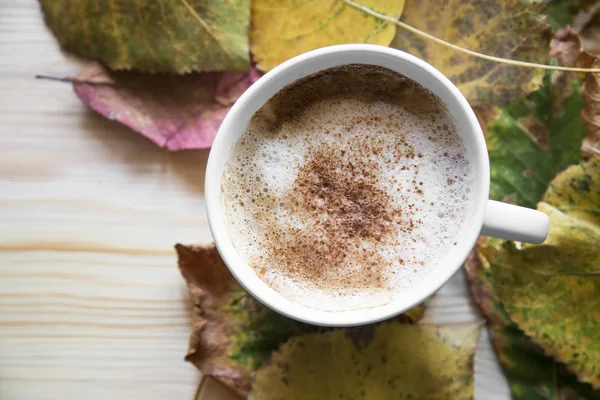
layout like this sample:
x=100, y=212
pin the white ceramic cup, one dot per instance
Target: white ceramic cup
x=486, y=217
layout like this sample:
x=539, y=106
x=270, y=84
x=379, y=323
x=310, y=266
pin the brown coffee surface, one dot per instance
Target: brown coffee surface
x=337, y=191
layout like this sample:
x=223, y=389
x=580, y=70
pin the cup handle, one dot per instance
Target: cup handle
x=509, y=222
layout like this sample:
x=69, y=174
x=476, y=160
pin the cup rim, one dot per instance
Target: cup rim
x=246, y=276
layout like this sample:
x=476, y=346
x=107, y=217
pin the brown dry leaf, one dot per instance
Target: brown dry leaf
x=174, y=111
x=212, y=330
x=590, y=116
x=566, y=47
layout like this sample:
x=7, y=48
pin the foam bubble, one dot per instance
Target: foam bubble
x=343, y=200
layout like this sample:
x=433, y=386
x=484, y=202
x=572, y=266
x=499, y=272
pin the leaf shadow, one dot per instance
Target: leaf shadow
x=143, y=158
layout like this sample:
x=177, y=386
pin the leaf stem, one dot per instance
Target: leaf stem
x=54, y=78
x=74, y=81
x=462, y=49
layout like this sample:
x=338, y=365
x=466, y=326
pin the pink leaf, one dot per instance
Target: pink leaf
x=174, y=111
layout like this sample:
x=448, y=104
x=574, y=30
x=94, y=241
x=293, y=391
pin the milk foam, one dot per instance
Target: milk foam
x=342, y=202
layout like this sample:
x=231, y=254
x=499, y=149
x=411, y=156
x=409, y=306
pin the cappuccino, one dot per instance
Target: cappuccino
x=347, y=187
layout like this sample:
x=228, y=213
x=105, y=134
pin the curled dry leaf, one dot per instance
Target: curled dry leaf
x=567, y=50
x=566, y=47
x=591, y=114
x=531, y=374
x=210, y=285
x=513, y=29
x=282, y=29
x=232, y=334
x=399, y=362
x=154, y=36
x=552, y=290
x=174, y=111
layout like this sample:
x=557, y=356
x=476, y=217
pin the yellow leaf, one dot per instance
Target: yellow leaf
x=282, y=29
x=552, y=290
x=512, y=29
x=399, y=362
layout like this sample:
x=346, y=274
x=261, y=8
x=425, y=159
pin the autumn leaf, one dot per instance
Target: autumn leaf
x=555, y=300
x=176, y=112
x=513, y=29
x=542, y=131
x=591, y=114
x=566, y=47
x=400, y=362
x=282, y=29
x=567, y=248
x=531, y=374
x=212, y=330
x=576, y=192
x=529, y=142
x=154, y=36
x=232, y=334
x=573, y=204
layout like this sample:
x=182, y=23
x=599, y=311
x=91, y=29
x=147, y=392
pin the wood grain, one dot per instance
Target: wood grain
x=91, y=302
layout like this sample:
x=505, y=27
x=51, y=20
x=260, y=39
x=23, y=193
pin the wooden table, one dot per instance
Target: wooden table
x=91, y=302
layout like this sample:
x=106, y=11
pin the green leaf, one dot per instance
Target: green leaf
x=531, y=374
x=154, y=36
x=561, y=13
x=530, y=141
x=264, y=330
x=556, y=299
x=399, y=362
